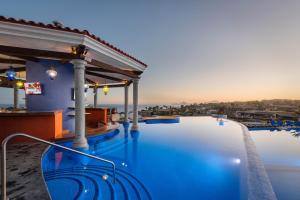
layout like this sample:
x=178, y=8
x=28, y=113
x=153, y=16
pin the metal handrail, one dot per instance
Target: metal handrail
x=3, y=158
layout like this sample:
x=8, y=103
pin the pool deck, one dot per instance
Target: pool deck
x=24, y=175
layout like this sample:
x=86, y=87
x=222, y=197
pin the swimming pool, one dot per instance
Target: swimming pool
x=280, y=151
x=198, y=158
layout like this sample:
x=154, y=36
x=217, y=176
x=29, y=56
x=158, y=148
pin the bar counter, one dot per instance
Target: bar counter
x=45, y=125
x=95, y=116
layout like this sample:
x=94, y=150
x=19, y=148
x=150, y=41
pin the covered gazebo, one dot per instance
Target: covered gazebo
x=78, y=57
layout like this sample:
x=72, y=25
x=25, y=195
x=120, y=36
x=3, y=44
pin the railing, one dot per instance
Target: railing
x=3, y=158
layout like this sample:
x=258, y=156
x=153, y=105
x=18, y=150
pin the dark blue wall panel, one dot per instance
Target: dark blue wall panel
x=56, y=94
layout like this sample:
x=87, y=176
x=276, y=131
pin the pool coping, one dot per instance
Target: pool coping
x=42, y=172
x=259, y=184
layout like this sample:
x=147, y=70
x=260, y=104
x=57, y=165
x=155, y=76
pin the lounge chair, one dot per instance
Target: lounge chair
x=274, y=123
x=280, y=123
x=297, y=123
x=290, y=123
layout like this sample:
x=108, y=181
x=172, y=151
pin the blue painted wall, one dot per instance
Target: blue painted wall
x=57, y=93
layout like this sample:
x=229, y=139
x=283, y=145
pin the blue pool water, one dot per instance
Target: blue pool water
x=198, y=158
x=162, y=120
x=280, y=152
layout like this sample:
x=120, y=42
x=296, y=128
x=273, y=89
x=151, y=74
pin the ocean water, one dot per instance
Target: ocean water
x=120, y=107
x=9, y=105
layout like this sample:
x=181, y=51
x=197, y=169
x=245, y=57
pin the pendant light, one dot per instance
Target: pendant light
x=105, y=89
x=11, y=74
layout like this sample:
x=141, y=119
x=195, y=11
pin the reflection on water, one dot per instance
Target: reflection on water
x=280, y=152
x=135, y=137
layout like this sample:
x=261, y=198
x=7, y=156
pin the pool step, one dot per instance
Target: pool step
x=87, y=183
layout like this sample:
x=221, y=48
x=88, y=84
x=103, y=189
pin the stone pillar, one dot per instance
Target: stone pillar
x=126, y=104
x=80, y=140
x=95, y=96
x=16, y=96
x=135, y=126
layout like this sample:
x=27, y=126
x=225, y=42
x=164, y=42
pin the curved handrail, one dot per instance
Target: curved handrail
x=3, y=158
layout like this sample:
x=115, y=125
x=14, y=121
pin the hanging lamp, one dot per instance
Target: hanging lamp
x=11, y=74
x=105, y=89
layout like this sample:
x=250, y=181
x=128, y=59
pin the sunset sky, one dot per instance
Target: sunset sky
x=197, y=51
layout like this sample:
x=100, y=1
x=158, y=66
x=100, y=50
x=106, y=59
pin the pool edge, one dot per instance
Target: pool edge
x=259, y=184
x=41, y=168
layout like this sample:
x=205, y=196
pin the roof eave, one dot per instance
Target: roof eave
x=69, y=38
x=100, y=48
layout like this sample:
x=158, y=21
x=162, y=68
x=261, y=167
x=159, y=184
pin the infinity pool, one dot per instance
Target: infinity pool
x=280, y=151
x=198, y=158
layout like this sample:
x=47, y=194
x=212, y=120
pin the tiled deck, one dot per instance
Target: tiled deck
x=24, y=179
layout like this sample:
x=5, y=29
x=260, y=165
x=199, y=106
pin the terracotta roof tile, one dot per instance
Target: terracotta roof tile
x=68, y=29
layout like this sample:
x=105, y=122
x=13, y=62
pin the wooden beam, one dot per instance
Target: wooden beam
x=96, y=69
x=111, y=86
x=103, y=76
x=29, y=58
x=109, y=68
x=18, y=51
x=12, y=61
x=17, y=69
x=90, y=81
x=134, y=72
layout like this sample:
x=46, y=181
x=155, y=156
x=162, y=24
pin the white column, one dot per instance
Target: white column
x=16, y=96
x=95, y=96
x=126, y=103
x=135, y=126
x=79, y=70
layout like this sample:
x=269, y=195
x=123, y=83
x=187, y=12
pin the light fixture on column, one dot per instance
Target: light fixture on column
x=11, y=74
x=105, y=89
x=86, y=87
x=73, y=50
x=52, y=73
x=79, y=50
x=96, y=87
x=19, y=84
